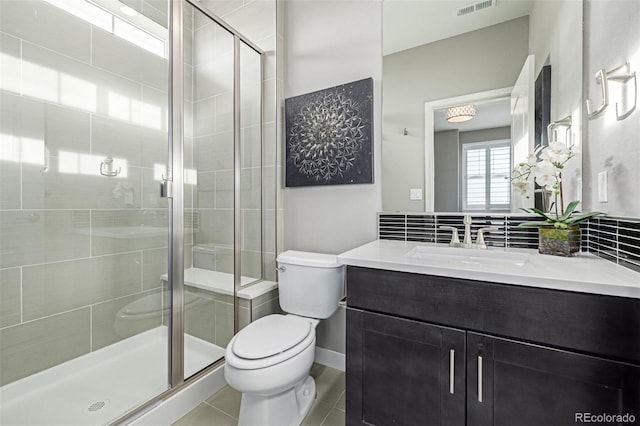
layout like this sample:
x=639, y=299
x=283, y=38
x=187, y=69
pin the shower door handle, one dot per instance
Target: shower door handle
x=166, y=188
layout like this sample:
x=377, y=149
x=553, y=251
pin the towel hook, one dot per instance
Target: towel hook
x=626, y=79
x=601, y=78
x=620, y=74
x=551, y=128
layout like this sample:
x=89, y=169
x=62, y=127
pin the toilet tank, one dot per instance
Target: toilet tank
x=310, y=284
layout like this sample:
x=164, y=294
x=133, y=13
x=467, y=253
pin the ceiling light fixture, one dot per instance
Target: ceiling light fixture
x=460, y=114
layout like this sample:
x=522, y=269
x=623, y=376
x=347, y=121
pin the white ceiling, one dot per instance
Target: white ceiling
x=411, y=23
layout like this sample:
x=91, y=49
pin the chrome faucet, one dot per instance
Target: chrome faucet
x=467, y=230
x=467, y=243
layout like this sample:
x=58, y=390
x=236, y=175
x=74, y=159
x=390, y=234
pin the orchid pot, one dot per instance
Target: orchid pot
x=559, y=242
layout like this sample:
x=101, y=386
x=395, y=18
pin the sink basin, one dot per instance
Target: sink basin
x=489, y=258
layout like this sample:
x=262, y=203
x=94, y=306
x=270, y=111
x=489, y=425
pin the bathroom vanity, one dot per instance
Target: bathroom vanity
x=456, y=339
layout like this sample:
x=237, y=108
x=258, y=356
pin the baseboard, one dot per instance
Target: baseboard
x=331, y=358
x=170, y=410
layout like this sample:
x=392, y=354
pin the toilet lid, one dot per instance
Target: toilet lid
x=270, y=335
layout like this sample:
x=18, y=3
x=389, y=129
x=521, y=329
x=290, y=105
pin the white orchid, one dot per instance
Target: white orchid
x=556, y=153
x=546, y=164
x=547, y=175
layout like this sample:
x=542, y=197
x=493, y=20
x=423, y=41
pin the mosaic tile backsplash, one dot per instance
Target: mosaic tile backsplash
x=614, y=239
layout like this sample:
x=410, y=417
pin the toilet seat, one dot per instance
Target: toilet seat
x=269, y=341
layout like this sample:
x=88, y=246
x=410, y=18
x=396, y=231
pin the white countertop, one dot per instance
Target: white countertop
x=584, y=273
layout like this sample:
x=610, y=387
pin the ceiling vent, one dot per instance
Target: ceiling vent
x=475, y=7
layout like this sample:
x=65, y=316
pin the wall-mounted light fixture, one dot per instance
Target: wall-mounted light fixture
x=460, y=114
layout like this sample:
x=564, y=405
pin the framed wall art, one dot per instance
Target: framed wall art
x=329, y=136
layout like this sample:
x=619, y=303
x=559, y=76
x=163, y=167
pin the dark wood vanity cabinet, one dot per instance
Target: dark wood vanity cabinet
x=402, y=372
x=425, y=350
x=514, y=383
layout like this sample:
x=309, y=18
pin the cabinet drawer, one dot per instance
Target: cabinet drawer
x=596, y=324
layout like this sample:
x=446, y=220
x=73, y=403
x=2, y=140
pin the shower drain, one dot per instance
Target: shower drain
x=96, y=406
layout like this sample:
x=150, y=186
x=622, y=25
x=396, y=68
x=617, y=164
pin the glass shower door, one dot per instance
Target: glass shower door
x=222, y=184
x=208, y=189
x=83, y=231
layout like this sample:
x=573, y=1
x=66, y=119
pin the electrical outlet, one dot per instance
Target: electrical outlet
x=602, y=187
x=415, y=194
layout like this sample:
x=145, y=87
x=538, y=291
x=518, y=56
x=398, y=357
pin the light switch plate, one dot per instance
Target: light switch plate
x=602, y=187
x=415, y=194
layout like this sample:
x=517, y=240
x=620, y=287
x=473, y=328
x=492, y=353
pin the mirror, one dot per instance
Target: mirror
x=471, y=158
x=439, y=52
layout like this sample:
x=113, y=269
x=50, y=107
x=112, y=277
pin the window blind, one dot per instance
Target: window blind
x=486, y=171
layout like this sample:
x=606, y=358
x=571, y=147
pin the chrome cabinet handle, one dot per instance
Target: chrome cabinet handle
x=479, y=378
x=452, y=370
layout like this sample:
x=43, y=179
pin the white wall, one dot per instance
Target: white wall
x=328, y=43
x=612, y=37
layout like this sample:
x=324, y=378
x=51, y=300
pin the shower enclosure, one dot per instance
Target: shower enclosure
x=131, y=202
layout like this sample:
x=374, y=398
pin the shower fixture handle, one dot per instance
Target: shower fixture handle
x=106, y=168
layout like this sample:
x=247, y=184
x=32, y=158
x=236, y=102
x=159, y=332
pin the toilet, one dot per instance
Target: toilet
x=269, y=360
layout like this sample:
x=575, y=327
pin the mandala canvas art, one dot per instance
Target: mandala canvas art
x=328, y=136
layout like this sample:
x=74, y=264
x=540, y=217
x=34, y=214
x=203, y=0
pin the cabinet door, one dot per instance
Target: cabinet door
x=403, y=372
x=510, y=382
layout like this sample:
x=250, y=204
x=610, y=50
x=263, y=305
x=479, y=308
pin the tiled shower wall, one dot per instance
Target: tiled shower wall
x=73, y=94
x=614, y=239
x=64, y=274
x=258, y=21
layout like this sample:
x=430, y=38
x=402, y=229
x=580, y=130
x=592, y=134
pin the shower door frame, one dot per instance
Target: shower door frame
x=173, y=185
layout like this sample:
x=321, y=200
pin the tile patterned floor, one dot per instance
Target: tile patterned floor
x=222, y=408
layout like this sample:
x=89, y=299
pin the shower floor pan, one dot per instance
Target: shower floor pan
x=97, y=388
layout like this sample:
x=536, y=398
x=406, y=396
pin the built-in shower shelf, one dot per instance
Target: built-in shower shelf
x=222, y=283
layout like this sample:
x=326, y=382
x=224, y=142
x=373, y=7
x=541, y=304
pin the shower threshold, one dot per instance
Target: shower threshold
x=99, y=387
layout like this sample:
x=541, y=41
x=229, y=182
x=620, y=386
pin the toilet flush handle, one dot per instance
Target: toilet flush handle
x=280, y=268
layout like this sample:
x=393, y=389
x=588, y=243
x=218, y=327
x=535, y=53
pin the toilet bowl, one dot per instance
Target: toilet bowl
x=272, y=371
x=269, y=360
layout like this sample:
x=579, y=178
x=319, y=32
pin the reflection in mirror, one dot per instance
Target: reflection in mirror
x=441, y=55
x=472, y=159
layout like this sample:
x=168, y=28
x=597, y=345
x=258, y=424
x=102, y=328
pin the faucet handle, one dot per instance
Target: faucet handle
x=480, y=237
x=454, y=234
